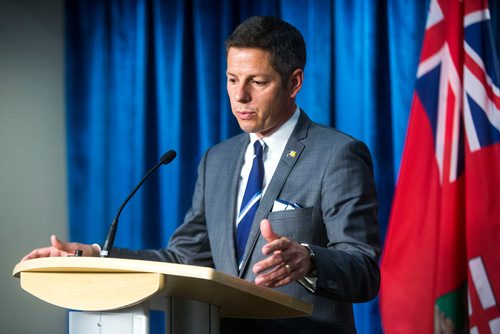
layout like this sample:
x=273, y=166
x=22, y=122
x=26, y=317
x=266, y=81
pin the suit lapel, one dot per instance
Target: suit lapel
x=234, y=164
x=289, y=157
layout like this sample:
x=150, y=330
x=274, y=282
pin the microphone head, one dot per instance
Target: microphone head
x=168, y=157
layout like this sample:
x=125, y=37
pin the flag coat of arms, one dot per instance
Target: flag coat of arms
x=441, y=260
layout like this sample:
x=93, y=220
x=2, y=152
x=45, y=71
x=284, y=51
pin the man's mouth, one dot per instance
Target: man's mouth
x=244, y=115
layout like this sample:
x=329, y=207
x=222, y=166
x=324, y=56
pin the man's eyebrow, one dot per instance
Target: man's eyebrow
x=263, y=75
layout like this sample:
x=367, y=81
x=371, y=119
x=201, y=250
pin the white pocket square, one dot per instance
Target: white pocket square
x=282, y=205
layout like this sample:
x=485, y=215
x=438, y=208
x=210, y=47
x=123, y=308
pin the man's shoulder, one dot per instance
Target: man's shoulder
x=322, y=134
x=308, y=129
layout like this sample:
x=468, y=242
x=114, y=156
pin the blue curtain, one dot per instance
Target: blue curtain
x=145, y=76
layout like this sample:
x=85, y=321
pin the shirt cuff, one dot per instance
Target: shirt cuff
x=309, y=283
x=98, y=247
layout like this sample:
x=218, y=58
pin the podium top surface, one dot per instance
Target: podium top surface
x=88, y=283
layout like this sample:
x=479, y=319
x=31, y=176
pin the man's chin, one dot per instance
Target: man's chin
x=247, y=126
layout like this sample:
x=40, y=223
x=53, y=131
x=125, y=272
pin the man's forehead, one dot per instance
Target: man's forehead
x=250, y=62
x=246, y=50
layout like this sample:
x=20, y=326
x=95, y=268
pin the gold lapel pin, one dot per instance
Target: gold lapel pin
x=292, y=154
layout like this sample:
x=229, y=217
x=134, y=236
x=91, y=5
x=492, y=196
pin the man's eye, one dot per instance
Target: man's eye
x=258, y=83
x=231, y=80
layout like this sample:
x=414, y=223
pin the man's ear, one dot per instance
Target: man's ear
x=295, y=83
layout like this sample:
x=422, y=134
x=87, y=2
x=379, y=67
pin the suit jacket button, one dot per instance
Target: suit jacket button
x=332, y=285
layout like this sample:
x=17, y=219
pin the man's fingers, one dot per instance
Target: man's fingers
x=267, y=231
x=282, y=267
x=60, y=248
x=31, y=255
x=280, y=275
x=277, y=246
x=43, y=252
x=60, y=244
x=268, y=263
x=278, y=272
x=63, y=248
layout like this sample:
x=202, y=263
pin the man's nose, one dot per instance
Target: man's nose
x=242, y=94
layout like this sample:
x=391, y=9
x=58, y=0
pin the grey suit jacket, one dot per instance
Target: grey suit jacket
x=330, y=176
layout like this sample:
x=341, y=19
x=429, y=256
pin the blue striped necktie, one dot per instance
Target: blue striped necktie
x=250, y=202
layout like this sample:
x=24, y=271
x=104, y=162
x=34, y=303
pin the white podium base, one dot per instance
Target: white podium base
x=133, y=320
x=183, y=316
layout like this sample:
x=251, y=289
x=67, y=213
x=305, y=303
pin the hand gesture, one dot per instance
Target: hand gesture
x=62, y=248
x=287, y=260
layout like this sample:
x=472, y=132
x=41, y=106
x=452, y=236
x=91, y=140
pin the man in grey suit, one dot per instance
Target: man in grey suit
x=314, y=234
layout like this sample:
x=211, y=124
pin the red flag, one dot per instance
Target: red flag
x=441, y=260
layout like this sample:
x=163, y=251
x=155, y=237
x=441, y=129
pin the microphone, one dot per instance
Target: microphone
x=110, y=239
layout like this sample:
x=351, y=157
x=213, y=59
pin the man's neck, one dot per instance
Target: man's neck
x=286, y=117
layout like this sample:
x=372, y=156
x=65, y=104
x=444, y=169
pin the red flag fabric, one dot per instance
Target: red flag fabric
x=441, y=260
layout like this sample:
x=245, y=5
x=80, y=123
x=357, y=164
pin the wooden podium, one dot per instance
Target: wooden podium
x=117, y=294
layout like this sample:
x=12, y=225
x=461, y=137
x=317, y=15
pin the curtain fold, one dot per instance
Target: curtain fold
x=146, y=76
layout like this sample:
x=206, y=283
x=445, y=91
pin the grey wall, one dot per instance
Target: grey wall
x=33, y=201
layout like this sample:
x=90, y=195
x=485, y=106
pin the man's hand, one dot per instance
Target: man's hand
x=288, y=261
x=62, y=248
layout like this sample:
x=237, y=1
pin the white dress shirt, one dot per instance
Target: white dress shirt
x=273, y=149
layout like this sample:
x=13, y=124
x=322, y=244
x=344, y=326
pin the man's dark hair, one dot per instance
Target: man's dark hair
x=284, y=42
